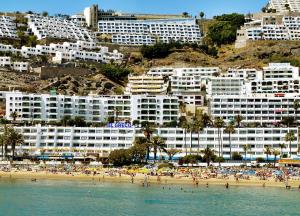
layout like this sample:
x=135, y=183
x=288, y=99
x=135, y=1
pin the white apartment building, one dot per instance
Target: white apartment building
x=55, y=27
x=103, y=140
x=81, y=50
x=146, y=32
x=45, y=107
x=268, y=109
x=286, y=28
x=246, y=73
x=226, y=86
x=161, y=71
x=78, y=19
x=8, y=27
x=191, y=80
x=16, y=66
x=283, y=6
x=146, y=84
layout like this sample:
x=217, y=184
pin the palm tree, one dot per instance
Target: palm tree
x=185, y=127
x=246, y=148
x=289, y=137
x=2, y=143
x=156, y=143
x=238, y=119
x=268, y=152
x=14, y=139
x=275, y=152
x=219, y=123
x=14, y=115
x=171, y=152
x=296, y=106
x=205, y=119
x=201, y=14
x=198, y=128
x=208, y=155
x=148, y=131
x=281, y=146
x=230, y=129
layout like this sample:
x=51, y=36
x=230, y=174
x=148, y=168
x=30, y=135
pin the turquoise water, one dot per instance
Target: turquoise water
x=86, y=198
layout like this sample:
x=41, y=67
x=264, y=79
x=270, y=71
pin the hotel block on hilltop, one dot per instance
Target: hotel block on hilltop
x=104, y=140
x=8, y=27
x=283, y=6
x=276, y=27
x=81, y=50
x=55, y=27
x=146, y=32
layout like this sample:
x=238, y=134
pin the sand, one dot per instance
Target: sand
x=139, y=179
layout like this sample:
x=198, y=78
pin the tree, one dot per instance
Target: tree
x=230, y=129
x=296, y=106
x=289, y=137
x=288, y=120
x=156, y=143
x=198, y=128
x=275, y=152
x=65, y=120
x=148, y=131
x=238, y=119
x=45, y=13
x=139, y=150
x=79, y=121
x=268, y=152
x=2, y=143
x=245, y=148
x=13, y=139
x=171, y=153
x=236, y=156
x=208, y=155
x=205, y=119
x=201, y=14
x=219, y=123
x=281, y=146
x=185, y=14
x=14, y=115
x=120, y=157
x=185, y=127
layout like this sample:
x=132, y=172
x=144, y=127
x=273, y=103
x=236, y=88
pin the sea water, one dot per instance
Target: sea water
x=44, y=197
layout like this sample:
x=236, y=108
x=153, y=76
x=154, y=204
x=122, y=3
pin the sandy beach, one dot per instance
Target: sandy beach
x=139, y=179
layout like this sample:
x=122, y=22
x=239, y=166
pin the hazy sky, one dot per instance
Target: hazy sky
x=210, y=7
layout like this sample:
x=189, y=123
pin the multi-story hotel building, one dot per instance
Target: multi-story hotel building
x=146, y=84
x=104, y=140
x=7, y=27
x=226, y=86
x=158, y=109
x=283, y=6
x=268, y=109
x=68, y=52
x=146, y=32
x=56, y=27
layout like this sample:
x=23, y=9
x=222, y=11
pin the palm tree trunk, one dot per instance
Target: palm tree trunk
x=198, y=150
x=229, y=145
x=219, y=142
x=191, y=143
x=185, y=142
x=2, y=149
x=290, y=149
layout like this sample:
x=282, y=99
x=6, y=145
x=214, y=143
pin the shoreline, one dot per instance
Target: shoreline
x=138, y=180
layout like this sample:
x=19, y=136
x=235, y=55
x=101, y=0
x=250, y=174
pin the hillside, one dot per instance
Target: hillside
x=255, y=55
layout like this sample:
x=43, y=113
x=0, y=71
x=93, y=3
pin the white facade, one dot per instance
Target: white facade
x=44, y=107
x=268, y=109
x=282, y=6
x=146, y=32
x=104, y=140
x=146, y=84
x=288, y=28
x=8, y=27
x=226, y=86
x=17, y=66
x=81, y=50
x=54, y=27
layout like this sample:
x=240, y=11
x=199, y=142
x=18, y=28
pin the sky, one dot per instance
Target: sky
x=209, y=7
